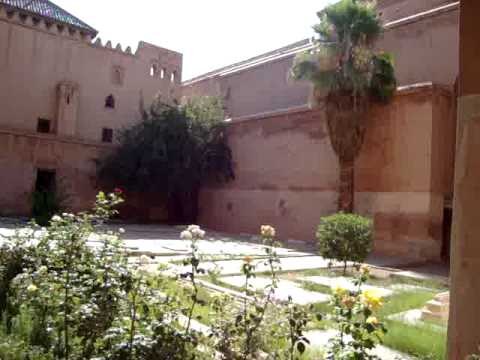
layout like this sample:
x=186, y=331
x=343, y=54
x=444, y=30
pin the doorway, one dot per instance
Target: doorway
x=447, y=232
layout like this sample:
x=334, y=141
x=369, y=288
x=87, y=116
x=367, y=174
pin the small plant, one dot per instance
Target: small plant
x=242, y=332
x=68, y=292
x=193, y=233
x=345, y=237
x=45, y=204
x=359, y=330
x=298, y=318
x=474, y=356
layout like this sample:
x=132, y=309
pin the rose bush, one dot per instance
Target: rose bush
x=70, y=292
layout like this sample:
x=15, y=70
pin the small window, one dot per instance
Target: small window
x=163, y=72
x=110, y=102
x=173, y=76
x=107, y=135
x=153, y=70
x=43, y=126
x=46, y=180
x=117, y=75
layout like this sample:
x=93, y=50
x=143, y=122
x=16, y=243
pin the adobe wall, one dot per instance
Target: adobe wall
x=397, y=9
x=35, y=59
x=255, y=90
x=424, y=48
x=22, y=153
x=287, y=175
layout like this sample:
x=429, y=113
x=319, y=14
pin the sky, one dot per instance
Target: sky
x=209, y=33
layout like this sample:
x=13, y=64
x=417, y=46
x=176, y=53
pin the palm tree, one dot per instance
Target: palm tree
x=347, y=75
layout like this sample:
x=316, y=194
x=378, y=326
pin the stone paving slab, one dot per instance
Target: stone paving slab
x=346, y=283
x=414, y=317
x=233, y=267
x=208, y=247
x=285, y=289
x=411, y=317
x=320, y=338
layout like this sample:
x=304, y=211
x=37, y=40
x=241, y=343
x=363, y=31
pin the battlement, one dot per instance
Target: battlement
x=50, y=26
x=108, y=45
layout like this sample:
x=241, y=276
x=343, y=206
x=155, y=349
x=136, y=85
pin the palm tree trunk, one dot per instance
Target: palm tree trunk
x=346, y=192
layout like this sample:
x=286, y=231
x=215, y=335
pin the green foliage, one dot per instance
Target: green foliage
x=64, y=298
x=347, y=74
x=344, y=60
x=359, y=330
x=298, y=319
x=45, y=204
x=422, y=341
x=69, y=292
x=383, y=84
x=207, y=111
x=174, y=151
x=345, y=237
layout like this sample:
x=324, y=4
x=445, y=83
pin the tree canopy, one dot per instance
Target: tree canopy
x=174, y=150
x=343, y=59
x=347, y=74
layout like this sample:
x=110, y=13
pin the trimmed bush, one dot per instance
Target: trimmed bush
x=345, y=237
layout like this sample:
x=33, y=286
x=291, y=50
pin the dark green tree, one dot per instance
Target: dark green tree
x=348, y=74
x=173, y=151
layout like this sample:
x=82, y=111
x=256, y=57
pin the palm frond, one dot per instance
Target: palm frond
x=383, y=84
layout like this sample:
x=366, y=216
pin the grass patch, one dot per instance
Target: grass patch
x=311, y=286
x=422, y=341
x=406, y=300
x=375, y=281
x=201, y=313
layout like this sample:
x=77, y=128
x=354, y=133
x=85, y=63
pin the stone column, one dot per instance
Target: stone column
x=464, y=325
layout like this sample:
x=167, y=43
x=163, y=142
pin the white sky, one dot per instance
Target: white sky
x=209, y=33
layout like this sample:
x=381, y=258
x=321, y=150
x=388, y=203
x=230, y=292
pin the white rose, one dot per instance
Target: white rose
x=56, y=218
x=186, y=235
x=144, y=260
x=193, y=228
x=199, y=234
x=121, y=231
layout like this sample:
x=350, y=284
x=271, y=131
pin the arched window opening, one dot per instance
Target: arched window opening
x=110, y=102
x=163, y=72
x=153, y=70
x=118, y=75
x=173, y=76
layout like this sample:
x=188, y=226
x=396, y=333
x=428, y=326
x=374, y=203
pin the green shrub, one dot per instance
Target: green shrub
x=173, y=152
x=345, y=237
x=45, y=204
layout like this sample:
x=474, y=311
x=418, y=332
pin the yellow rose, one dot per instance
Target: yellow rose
x=365, y=270
x=372, y=320
x=338, y=290
x=372, y=299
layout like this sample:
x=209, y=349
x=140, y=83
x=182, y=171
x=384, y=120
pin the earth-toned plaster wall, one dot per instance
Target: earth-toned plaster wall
x=254, y=90
x=36, y=60
x=397, y=9
x=424, y=48
x=287, y=174
x=22, y=153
